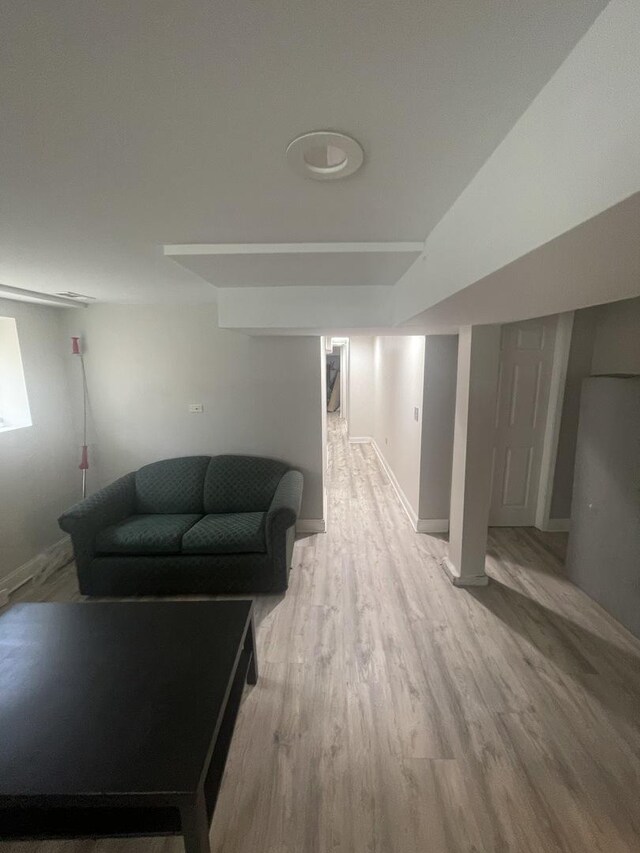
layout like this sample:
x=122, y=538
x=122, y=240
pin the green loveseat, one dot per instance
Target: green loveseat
x=197, y=524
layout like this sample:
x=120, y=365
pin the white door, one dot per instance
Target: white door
x=526, y=359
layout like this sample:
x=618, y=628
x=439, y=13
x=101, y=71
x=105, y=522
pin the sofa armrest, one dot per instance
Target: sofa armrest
x=281, y=518
x=86, y=518
x=107, y=506
x=285, y=506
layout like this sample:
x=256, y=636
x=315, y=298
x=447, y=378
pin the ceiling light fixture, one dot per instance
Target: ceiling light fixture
x=324, y=155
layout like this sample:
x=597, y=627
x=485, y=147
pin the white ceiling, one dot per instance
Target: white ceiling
x=594, y=263
x=126, y=125
x=288, y=270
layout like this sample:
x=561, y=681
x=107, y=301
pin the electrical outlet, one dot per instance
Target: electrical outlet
x=416, y=413
x=196, y=408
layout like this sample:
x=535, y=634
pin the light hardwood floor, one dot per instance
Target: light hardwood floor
x=398, y=714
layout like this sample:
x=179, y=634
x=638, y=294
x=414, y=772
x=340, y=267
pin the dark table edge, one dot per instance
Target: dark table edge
x=176, y=800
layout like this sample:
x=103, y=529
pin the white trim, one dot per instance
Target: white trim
x=562, y=346
x=457, y=579
x=420, y=525
x=287, y=248
x=404, y=500
x=432, y=525
x=557, y=525
x=44, y=563
x=19, y=294
x=311, y=525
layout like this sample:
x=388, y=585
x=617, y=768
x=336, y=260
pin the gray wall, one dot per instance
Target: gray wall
x=397, y=388
x=385, y=384
x=438, y=417
x=360, y=420
x=39, y=474
x=605, y=340
x=603, y=557
x=617, y=341
x=145, y=364
x=389, y=376
x=578, y=368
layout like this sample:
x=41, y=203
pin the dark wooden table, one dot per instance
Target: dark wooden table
x=116, y=718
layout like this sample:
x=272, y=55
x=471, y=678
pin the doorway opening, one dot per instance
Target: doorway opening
x=337, y=372
x=335, y=399
x=333, y=382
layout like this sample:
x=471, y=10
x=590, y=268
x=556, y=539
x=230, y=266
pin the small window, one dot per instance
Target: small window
x=14, y=403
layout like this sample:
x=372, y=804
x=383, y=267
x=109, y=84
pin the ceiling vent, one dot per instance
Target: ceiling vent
x=324, y=155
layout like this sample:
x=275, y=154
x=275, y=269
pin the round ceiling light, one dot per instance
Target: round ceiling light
x=324, y=155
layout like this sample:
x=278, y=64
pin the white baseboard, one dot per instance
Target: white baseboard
x=457, y=579
x=411, y=513
x=557, y=525
x=360, y=439
x=42, y=565
x=311, y=525
x=433, y=525
x=420, y=525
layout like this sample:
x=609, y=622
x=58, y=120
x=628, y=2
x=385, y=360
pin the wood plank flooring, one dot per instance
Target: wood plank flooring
x=398, y=714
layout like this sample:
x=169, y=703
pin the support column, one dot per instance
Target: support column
x=478, y=355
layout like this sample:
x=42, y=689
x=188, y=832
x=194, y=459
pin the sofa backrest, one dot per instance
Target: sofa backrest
x=172, y=485
x=241, y=483
x=208, y=484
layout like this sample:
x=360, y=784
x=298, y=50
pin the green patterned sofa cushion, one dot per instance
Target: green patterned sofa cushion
x=172, y=485
x=145, y=534
x=241, y=483
x=227, y=533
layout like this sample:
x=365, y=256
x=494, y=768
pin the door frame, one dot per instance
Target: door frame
x=343, y=344
x=327, y=343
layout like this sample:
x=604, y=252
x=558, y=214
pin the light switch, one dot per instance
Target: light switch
x=196, y=408
x=416, y=413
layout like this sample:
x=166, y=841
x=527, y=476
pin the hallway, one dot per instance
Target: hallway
x=397, y=714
